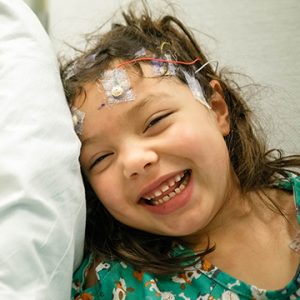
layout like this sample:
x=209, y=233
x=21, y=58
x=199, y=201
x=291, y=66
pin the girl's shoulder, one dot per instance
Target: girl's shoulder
x=292, y=183
x=90, y=280
x=79, y=278
x=115, y=280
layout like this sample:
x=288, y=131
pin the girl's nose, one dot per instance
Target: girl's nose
x=138, y=161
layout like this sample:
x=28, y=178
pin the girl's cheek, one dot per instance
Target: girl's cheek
x=109, y=191
x=102, y=188
x=183, y=138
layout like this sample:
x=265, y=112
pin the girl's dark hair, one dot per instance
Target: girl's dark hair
x=255, y=167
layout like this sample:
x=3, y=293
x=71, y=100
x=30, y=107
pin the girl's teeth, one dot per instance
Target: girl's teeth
x=177, y=178
x=166, y=198
x=171, y=182
x=157, y=193
x=182, y=187
x=164, y=188
x=172, y=194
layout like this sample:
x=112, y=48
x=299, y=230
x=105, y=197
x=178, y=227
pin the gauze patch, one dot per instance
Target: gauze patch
x=195, y=88
x=78, y=118
x=117, y=86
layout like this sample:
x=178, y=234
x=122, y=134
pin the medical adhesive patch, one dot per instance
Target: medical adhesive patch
x=117, y=86
x=195, y=88
x=78, y=118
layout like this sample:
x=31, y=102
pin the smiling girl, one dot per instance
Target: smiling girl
x=184, y=200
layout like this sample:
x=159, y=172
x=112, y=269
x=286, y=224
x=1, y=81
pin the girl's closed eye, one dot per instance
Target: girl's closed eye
x=155, y=120
x=99, y=160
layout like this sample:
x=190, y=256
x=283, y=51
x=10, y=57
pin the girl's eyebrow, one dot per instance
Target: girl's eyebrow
x=89, y=141
x=145, y=102
x=136, y=109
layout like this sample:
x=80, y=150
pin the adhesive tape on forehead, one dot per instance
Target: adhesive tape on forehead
x=117, y=86
x=195, y=88
x=164, y=68
x=78, y=118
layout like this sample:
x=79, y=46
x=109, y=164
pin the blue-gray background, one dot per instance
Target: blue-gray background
x=259, y=38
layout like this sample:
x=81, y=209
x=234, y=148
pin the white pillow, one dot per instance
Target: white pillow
x=42, y=207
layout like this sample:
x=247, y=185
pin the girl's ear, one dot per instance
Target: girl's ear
x=219, y=107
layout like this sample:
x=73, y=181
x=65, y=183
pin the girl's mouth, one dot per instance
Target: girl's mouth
x=168, y=189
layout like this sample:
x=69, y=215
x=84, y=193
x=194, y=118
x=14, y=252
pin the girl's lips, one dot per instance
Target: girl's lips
x=154, y=185
x=176, y=202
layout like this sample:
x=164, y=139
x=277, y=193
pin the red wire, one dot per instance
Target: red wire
x=160, y=60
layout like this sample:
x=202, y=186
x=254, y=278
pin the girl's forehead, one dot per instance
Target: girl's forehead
x=141, y=89
x=118, y=117
x=122, y=84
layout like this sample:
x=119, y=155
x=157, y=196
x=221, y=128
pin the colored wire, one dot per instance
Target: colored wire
x=159, y=60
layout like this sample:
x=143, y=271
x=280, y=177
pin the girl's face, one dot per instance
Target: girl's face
x=158, y=163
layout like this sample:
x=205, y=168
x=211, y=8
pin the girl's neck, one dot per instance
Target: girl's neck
x=245, y=210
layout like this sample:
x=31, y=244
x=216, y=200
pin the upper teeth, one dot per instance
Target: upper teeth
x=164, y=187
